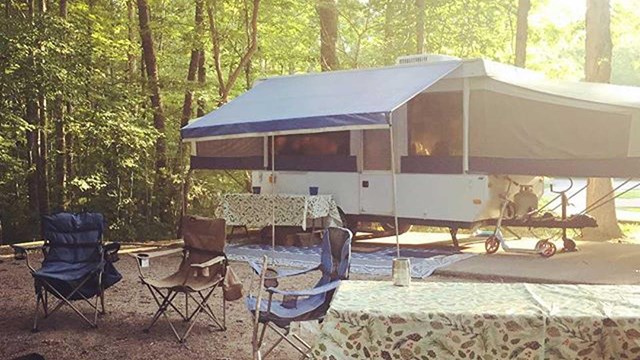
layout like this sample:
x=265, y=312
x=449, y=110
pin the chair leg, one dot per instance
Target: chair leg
x=224, y=313
x=35, y=320
x=162, y=307
x=45, y=304
x=186, y=308
x=102, y=303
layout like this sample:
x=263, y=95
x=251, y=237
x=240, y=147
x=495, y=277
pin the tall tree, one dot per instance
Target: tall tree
x=60, y=189
x=151, y=66
x=420, y=13
x=598, y=69
x=328, y=14
x=225, y=86
x=522, y=32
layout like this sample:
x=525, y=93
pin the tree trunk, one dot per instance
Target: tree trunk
x=420, y=12
x=42, y=163
x=68, y=139
x=131, y=56
x=328, y=14
x=202, y=79
x=202, y=70
x=598, y=69
x=63, y=9
x=224, y=87
x=32, y=156
x=187, y=108
x=151, y=67
x=522, y=32
x=60, y=188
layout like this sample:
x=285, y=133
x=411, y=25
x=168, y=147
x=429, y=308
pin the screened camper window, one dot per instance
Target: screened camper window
x=321, y=144
x=435, y=124
x=231, y=148
x=376, y=150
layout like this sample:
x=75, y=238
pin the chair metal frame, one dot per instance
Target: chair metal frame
x=43, y=287
x=164, y=301
x=269, y=282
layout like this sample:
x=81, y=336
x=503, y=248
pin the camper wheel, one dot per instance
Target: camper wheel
x=569, y=245
x=548, y=249
x=403, y=227
x=492, y=244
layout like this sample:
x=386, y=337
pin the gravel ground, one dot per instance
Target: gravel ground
x=129, y=308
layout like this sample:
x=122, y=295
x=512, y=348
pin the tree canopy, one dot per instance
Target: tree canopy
x=77, y=129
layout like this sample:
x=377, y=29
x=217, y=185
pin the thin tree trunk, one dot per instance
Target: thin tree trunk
x=225, y=87
x=131, y=56
x=60, y=188
x=202, y=79
x=63, y=9
x=32, y=156
x=202, y=70
x=151, y=67
x=598, y=69
x=187, y=104
x=522, y=32
x=328, y=14
x=70, y=155
x=420, y=13
x=42, y=163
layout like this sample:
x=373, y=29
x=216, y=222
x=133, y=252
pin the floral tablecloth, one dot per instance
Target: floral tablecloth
x=255, y=210
x=376, y=320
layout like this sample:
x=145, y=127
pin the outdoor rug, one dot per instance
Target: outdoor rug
x=423, y=261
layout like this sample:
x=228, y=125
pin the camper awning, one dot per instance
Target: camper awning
x=333, y=101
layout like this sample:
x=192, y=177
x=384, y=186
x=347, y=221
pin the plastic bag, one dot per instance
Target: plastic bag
x=231, y=286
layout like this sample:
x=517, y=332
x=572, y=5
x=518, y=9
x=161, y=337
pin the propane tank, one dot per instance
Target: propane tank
x=525, y=200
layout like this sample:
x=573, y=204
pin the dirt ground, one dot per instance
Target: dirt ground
x=129, y=309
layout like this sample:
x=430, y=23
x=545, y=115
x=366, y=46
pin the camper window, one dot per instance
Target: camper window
x=321, y=144
x=435, y=124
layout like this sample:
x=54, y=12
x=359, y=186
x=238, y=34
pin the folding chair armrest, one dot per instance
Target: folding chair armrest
x=111, y=251
x=280, y=273
x=308, y=292
x=155, y=254
x=25, y=251
x=211, y=262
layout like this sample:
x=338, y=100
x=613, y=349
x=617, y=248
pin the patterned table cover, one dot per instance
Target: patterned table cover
x=255, y=210
x=376, y=320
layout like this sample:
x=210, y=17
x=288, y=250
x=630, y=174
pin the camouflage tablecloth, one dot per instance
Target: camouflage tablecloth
x=255, y=210
x=376, y=320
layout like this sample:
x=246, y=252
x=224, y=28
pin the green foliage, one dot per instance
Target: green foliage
x=91, y=61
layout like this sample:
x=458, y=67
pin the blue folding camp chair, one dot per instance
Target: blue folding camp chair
x=76, y=265
x=303, y=305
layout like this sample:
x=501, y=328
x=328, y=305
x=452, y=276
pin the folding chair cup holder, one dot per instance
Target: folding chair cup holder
x=297, y=306
x=77, y=266
x=201, y=271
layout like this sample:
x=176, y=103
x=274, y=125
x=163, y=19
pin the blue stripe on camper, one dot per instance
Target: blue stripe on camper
x=329, y=121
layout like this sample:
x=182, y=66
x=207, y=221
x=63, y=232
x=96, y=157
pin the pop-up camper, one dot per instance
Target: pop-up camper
x=448, y=137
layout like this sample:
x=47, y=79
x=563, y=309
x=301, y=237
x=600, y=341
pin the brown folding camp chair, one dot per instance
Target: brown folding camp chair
x=200, y=273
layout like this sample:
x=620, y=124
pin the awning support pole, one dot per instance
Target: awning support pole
x=393, y=184
x=465, y=126
x=273, y=193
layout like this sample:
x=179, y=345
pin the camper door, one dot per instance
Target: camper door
x=376, y=191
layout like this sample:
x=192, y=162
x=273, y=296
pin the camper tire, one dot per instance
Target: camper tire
x=403, y=227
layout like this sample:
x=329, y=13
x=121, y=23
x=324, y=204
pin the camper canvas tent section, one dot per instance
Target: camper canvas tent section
x=457, y=126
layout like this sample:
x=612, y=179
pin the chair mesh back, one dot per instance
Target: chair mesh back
x=336, y=254
x=73, y=238
x=204, y=238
